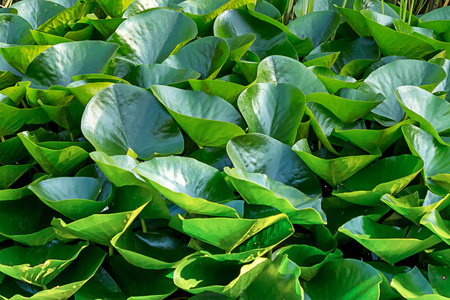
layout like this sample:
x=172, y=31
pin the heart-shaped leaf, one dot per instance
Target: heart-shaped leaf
x=273, y=110
x=131, y=105
x=190, y=184
x=208, y=120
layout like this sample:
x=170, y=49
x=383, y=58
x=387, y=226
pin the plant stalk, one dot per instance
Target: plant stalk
x=2, y=138
x=144, y=227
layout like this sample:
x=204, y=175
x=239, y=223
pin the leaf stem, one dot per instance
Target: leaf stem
x=144, y=227
x=111, y=251
x=24, y=104
x=2, y=138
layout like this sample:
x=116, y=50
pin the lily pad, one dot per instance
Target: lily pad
x=133, y=281
x=37, y=12
x=433, y=221
x=190, y=184
x=386, y=176
x=386, y=79
x=278, y=279
x=273, y=110
x=151, y=250
x=97, y=228
x=138, y=31
x=433, y=154
x=145, y=76
x=427, y=109
x=59, y=63
x=20, y=206
x=318, y=26
x=258, y=153
x=241, y=234
x=56, y=158
x=74, y=197
x=335, y=170
x=391, y=244
x=10, y=173
x=259, y=189
x=413, y=208
x=131, y=105
x=279, y=69
x=349, y=106
x=228, y=91
x=205, y=56
x=208, y=120
x=349, y=279
x=270, y=39
x=199, y=275
x=308, y=258
x=38, y=265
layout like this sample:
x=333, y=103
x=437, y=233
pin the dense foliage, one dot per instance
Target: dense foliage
x=202, y=149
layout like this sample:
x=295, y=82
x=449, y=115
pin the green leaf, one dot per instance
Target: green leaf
x=190, y=184
x=13, y=118
x=349, y=106
x=208, y=120
x=166, y=30
x=58, y=64
x=347, y=279
x=37, y=12
x=390, y=243
x=308, y=258
x=134, y=281
x=392, y=42
x=425, y=108
x=387, y=176
x=228, y=91
x=318, y=26
x=335, y=170
x=237, y=234
x=110, y=119
x=433, y=154
x=97, y=228
x=437, y=20
x=14, y=29
x=273, y=110
x=302, y=46
x=279, y=69
x=74, y=197
x=205, y=56
x=138, y=6
x=334, y=82
x=278, y=279
x=372, y=140
x=10, y=173
x=114, y=8
x=38, y=265
x=59, y=25
x=200, y=274
x=151, y=250
x=270, y=40
x=386, y=79
x=411, y=284
x=145, y=76
x=438, y=279
x=259, y=189
x=413, y=208
x=204, y=12
x=321, y=59
x=355, y=56
x=19, y=57
x=20, y=206
x=257, y=153
x=433, y=221
x=56, y=158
